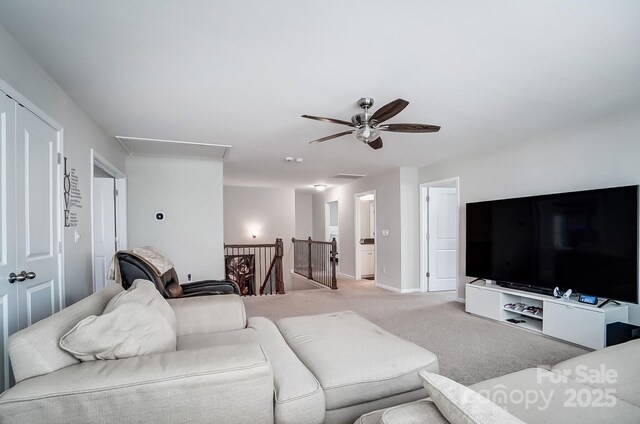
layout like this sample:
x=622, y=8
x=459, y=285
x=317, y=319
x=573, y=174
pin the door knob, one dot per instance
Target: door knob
x=13, y=277
x=19, y=277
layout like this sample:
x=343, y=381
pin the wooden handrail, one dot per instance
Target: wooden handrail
x=240, y=246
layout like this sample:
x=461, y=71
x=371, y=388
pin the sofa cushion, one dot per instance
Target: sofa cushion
x=349, y=414
x=223, y=384
x=422, y=411
x=36, y=351
x=370, y=418
x=539, y=396
x=461, y=405
x=354, y=360
x=208, y=314
x=298, y=395
x=135, y=322
x=615, y=368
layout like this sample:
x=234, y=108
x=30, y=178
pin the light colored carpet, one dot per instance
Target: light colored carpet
x=470, y=349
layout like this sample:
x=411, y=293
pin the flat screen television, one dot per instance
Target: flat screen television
x=586, y=241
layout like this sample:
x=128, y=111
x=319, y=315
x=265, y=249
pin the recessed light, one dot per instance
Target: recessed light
x=320, y=187
x=299, y=160
x=288, y=159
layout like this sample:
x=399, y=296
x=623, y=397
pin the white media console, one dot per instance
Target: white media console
x=564, y=319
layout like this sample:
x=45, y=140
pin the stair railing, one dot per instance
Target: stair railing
x=316, y=260
x=256, y=268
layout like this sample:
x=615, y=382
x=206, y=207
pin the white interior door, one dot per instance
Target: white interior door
x=37, y=218
x=8, y=292
x=442, y=239
x=104, y=229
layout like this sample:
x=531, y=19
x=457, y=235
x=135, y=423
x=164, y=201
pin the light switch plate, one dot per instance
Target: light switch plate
x=385, y=233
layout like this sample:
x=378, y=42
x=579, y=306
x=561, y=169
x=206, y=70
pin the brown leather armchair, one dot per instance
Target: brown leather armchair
x=132, y=268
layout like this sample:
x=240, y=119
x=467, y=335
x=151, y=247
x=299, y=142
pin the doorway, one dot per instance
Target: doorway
x=439, y=228
x=365, y=235
x=108, y=217
x=331, y=224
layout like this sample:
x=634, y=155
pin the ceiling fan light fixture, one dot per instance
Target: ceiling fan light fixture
x=366, y=133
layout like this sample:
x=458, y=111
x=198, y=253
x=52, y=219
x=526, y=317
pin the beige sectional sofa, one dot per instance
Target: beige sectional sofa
x=225, y=369
x=599, y=387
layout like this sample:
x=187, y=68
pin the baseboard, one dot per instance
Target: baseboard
x=414, y=290
x=345, y=276
x=384, y=286
x=308, y=281
x=461, y=300
x=397, y=290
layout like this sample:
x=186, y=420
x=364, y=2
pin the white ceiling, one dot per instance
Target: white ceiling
x=242, y=72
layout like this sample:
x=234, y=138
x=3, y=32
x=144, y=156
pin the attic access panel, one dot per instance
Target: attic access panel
x=159, y=147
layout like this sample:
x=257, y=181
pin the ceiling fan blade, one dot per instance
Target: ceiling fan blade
x=330, y=120
x=389, y=110
x=410, y=128
x=376, y=144
x=329, y=137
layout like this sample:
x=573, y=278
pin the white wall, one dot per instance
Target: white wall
x=597, y=154
x=410, y=218
x=189, y=193
x=81, y=134
x=304, y=215
x=390, y=271
x=270, y=212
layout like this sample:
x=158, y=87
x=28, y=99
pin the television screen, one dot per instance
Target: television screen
x=586, y=241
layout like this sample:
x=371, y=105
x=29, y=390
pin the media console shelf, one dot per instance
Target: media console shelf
x=564, y=319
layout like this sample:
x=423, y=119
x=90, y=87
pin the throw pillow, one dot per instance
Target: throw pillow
x=135, y=322
x=461, y=405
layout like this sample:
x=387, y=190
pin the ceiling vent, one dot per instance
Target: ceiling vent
x=158, y=147
x=348, y=176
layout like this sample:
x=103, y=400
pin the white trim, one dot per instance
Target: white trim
x=121, y=204
x=32, y=107
x=15, y=95
x=397, y=290
x=413, y=290
x=60, y=204
x=424, y=225
x=122, y=213
x=120, y=139
x=345, y=276
x=461, y=300
x=356, y=234
x=309, y=281
x=384, y=286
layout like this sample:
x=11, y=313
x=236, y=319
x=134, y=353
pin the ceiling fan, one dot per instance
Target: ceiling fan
x=367, y=126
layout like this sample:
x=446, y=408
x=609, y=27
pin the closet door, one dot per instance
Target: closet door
x=8, y=292
x=37, y=218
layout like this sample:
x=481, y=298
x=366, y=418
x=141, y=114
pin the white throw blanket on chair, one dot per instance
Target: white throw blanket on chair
x=158, y=263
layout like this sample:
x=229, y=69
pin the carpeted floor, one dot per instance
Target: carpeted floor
x=470, y=349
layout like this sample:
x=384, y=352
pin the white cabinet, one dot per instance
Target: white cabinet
x=367, y=260
x=583, y=326
x=564, y=319
x=485, y=303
